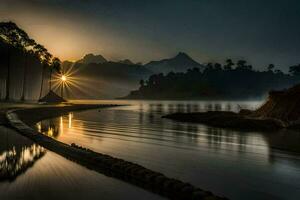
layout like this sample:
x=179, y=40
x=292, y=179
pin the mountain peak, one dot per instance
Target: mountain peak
x=126, y=61
x=180, y=63
x=91, y=58
x=182, y=55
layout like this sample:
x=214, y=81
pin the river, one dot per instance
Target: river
x=235, y=164
x=29, y=171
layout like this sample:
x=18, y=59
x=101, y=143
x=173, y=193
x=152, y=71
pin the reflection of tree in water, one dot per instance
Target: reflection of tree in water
x=50, y=127
x=17, y=154
x=189, y=131
x=216, y=137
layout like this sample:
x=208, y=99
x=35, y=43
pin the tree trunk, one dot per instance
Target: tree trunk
x=7, y=84
x=42, y=83
x=50, y=79
x=62, y=90
x=24, y=78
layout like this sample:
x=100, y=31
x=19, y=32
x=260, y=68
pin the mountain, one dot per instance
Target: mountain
x=126, y=61
x=103, y=80
x=91, y=58
x=180, y=63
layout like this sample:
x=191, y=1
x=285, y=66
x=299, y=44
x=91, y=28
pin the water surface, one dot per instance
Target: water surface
x=28, y=171
x=238, y=165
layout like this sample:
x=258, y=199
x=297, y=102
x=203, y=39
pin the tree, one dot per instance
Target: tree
x=8, y=36
x=208, y=68
x=249, y=67
x=217, y=66
x=152, y=79
x=278, y=71
x=27, y=53
x=142, y=83
x=44, y=56
x=56, y=66
x=228, y=65
x=295, y=70
x=18, y=39
x=271, y=67
x=241, y=64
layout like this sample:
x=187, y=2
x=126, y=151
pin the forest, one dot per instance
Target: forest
x=217, y=81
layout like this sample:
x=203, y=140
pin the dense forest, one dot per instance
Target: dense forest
x=229, y=81
x=26, y=66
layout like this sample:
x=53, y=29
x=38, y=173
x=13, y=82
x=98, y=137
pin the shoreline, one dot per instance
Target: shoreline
x=227, y=119
x=23, y=120
x=242, y=122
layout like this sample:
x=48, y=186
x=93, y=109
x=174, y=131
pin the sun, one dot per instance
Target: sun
x=63, y=78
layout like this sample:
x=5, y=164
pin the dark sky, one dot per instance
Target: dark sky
x=261, y=31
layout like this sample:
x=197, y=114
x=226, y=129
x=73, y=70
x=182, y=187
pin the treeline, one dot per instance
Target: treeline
x=228, y=81
x=17, y=47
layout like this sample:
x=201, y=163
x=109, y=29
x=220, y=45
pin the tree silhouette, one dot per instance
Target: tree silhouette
x=295, y=70
x=142, y=83
x=217, y=66
x=278, y=71
x=215, y=82
x=27, y=53
x=229, y=64
x=16, y=38
x=45, y=57
x=241, y=64
x=56, y=66
x=271, y=67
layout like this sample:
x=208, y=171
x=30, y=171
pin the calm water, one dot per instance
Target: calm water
x=239, y=165
x=28, y=171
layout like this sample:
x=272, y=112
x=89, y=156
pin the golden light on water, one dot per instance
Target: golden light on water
x=61, y=125
x=50, y=131
x=70, y=119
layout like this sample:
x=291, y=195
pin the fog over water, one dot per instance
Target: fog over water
x=238, y=165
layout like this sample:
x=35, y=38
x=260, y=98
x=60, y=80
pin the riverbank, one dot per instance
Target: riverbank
x=23, y=120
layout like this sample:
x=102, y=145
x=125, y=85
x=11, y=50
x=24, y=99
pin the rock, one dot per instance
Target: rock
x=282, y=105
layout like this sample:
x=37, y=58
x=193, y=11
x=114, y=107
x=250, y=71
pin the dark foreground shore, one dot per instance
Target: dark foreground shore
x=224, y=119
x=23, y=120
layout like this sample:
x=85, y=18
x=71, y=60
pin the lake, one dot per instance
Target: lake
x=235, y=164
x=28, y=171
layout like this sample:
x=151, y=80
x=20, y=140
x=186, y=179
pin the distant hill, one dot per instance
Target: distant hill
x=91, y=58
x=180, y=63
x=105, y=79
x=126, y=61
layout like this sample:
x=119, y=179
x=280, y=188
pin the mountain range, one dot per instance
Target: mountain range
x=110, y=79
x=179, y=63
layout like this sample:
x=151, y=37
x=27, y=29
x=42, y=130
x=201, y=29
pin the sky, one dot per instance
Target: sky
x=260, y=31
